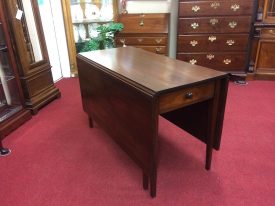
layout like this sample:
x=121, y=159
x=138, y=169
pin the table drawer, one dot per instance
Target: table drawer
x=214, y=25
x=185, y=96
x=215, y=8
x=214, y=43
x=223, y=61
x=157, y=40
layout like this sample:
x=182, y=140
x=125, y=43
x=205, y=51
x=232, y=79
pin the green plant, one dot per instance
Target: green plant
x=105, y=38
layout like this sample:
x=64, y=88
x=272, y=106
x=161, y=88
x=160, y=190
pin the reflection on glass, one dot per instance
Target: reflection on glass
x=87, y=15
x=271, y=8
x=9, y=96
x=30, y=31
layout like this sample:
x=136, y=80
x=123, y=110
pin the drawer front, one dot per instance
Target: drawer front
x=214, y=25
x=144, y=23
x=120, y=40
x=215, y=42
x=215, y=8
x=154, y=49
x=226, y=61
x=268, y=33
x=185, y=96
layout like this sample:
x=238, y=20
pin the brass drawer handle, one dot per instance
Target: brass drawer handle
x=193, y=42
x=141, y=23
x=230, y=42
x=215, y=5
x=158, y=41
x=232, y=24
x=140, y=39
x=210, y=56
x=214, y=21
x=188, y=95
x=227, y=61
x=212, y=38
x=158, y=49
x=235, y=7
x=195, y=8
x=271, y=31
x=193, y=61
x=123, y=42
x=195, y=25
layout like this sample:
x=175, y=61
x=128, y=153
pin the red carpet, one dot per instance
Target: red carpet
x=57, y=160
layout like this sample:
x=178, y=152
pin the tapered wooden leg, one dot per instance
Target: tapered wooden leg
x=153, y=186
x=145, y=181
x=91, y=124
x=208, y=157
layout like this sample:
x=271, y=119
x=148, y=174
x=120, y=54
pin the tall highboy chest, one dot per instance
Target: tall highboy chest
x=215, y=34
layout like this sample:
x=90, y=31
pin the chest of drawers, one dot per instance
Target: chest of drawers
x=215, y=34
x=146, y=31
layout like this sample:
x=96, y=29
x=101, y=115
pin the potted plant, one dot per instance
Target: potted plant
x=105, y=38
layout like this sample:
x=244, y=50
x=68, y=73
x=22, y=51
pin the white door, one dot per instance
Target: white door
x=53, y=26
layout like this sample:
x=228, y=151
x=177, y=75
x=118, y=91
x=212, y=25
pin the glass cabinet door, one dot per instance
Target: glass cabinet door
x=9, y=95
x=87, y=15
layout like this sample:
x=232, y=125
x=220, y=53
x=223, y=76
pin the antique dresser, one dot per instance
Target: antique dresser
x=216, y=34
x=146, y=31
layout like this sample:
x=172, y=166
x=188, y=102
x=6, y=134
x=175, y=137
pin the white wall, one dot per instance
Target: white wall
x=161, y=6
x=53, y=26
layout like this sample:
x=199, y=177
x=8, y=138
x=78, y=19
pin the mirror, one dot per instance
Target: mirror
x=30, y=31
x=270, y=8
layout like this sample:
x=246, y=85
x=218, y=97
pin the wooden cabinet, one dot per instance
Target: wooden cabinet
x=12, y=110
x=215, y=34
x=146, y=31
x=265, y=40
x=31, y=52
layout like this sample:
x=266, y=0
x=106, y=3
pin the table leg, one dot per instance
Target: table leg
x=153, y=185
x=208, y=156
x=91, y=124
x=145, y=181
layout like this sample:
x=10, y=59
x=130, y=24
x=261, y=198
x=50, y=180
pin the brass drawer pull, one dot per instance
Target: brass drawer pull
x=235, y=7
x=193, y=42
x=230, y=42
x=140, y=39
x=188, y=95
x=232, y=24
x=158, y=41
x=215, y=5
x=158, y=49
x=123, y=42
x=212, y=38
x=227, y=61
x=195, y=25
x=141, y=23
x=195, y=8
x=193, y=61
x=271, y=31
x=214, y=21
x=210, y=56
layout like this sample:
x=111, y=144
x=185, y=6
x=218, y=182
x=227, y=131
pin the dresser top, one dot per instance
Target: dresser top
x=148, y=71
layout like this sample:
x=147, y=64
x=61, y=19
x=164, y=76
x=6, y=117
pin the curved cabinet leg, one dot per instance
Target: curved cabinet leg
x=4, y=151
